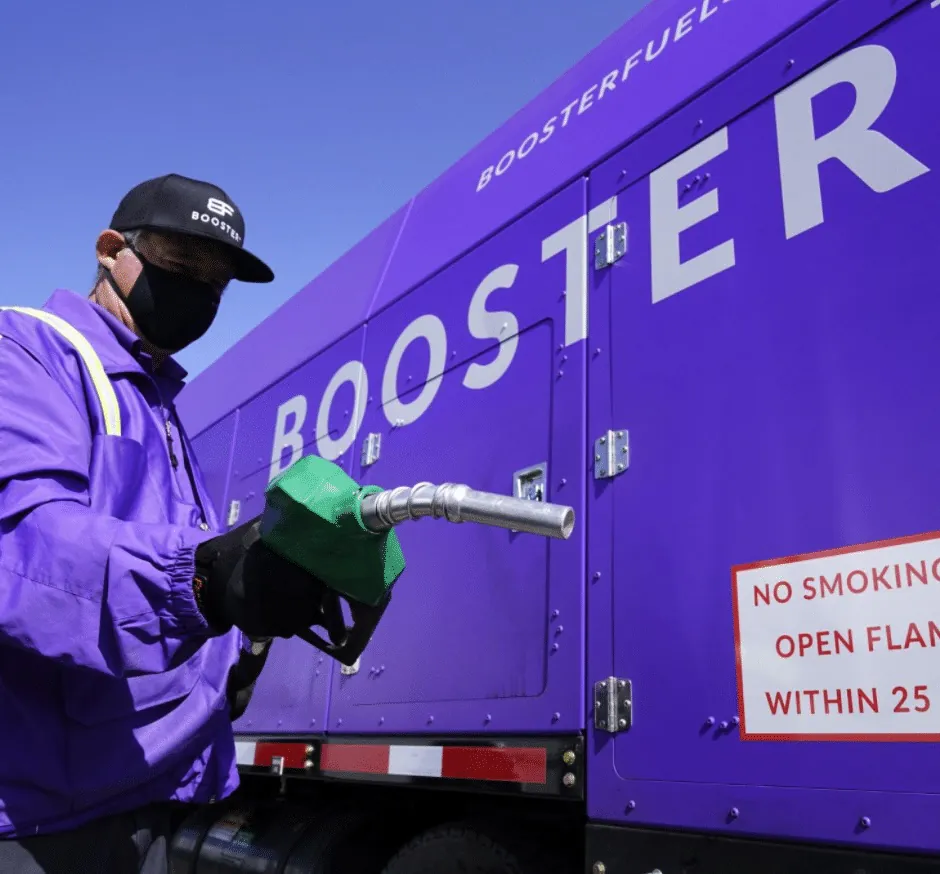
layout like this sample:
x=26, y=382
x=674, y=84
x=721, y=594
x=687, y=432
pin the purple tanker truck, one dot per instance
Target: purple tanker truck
x=689, y=292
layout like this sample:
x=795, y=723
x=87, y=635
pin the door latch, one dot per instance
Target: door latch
x=529, y=484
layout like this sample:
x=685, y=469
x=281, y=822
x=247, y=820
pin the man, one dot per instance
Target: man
x=125, y=619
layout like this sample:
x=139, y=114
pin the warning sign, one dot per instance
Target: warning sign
x=841, y=645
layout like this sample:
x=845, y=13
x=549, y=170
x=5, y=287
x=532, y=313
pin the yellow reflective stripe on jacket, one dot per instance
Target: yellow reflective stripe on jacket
x=103, y=388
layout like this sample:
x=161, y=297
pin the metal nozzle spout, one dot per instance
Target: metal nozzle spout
x=460, y=503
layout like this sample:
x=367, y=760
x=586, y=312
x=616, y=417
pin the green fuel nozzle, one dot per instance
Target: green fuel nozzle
x=342, y=533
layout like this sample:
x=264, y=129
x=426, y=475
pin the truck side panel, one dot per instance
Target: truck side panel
x=214, y=448
x=771, y=335
x=292, y=692
x=470, y=380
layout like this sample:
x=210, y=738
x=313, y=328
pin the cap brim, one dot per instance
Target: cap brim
x=250, y=268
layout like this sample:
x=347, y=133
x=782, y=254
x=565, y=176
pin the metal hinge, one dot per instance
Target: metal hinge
x=234, y=511
x=610, y=245
x=613, y=705
x=611, y=454
x=371, y=449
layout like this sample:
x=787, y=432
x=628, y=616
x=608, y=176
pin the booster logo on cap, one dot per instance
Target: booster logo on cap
x=222, y=211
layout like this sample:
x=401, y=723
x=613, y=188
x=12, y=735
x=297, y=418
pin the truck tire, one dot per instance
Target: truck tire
x=465, y=848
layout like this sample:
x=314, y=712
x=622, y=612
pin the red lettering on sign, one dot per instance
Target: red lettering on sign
x=822, y=643
x=823, y=701
x=857, y=581
x=925, y=635
x=780, y=593
x=919, y=694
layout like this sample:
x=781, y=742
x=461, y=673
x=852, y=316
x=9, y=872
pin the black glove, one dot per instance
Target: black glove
x=246, y=584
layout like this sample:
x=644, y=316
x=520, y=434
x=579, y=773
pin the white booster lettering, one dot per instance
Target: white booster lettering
x=216, y=222
x=878, y=161
x=580, y=103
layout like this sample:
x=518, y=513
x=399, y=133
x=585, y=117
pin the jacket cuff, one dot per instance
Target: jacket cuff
x=184, y=606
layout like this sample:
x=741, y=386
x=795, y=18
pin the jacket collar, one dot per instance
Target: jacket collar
x=117, y=346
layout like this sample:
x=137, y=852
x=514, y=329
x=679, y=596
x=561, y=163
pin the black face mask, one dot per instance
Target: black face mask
x=170, y=309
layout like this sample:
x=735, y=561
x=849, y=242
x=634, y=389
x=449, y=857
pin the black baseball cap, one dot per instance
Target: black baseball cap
x=198, y=209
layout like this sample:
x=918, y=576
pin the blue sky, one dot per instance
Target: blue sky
x=319, y=119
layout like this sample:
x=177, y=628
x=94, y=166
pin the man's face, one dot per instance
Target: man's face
x=201, y=259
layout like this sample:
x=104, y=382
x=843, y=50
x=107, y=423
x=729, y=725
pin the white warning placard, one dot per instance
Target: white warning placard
x=841, y=645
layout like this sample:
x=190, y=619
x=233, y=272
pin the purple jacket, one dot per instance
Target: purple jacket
x=112, y=691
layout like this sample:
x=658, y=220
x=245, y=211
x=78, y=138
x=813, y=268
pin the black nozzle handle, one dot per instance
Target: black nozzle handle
x=353, y=639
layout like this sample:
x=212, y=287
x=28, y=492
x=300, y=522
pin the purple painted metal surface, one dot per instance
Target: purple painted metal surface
x=292, y=692
x=214, y=448
x=484, y=632
x=590, y=111
x=784, y=404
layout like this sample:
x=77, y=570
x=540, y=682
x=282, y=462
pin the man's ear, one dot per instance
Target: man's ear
x=113, y=254
x=107, y=246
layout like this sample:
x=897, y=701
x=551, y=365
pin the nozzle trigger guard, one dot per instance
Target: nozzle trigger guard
x=356, y=638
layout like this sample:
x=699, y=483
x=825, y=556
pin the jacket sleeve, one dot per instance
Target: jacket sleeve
x=77, y=586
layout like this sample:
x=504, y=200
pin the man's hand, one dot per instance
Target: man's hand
x=259, y=592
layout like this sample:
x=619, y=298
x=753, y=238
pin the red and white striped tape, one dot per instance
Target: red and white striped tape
x=250, y=753
x=485, y=763
x=501, y=764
